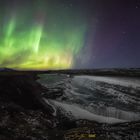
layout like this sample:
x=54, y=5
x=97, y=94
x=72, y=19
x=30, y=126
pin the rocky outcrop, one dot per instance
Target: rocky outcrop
x=23, y=90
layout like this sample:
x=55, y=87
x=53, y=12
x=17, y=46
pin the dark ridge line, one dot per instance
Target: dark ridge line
x=132, y=72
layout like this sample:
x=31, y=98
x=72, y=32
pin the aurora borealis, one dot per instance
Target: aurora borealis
x=69, y=34
x=41, y=35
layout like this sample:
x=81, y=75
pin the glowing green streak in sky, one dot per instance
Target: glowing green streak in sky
x=51, y=43
x=10, y=27
x=35, y=37
x=9, y=32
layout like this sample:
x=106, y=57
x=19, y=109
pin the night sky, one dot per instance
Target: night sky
x=69, y=34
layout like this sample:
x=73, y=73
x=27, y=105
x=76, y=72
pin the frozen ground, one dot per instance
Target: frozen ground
x=99, y=98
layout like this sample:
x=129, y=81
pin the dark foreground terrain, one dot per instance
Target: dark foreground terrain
x=25, y=115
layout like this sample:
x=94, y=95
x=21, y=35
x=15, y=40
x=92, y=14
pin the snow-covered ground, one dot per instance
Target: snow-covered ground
x=123, y=81
x=99, y=98
x=79, y=113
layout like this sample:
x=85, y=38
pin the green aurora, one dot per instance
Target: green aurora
x=42, y=35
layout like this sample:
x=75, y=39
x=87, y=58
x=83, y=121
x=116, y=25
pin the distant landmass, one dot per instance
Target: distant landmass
x=106, y=71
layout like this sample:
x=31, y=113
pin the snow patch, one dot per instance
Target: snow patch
x=124, y=81
x=79, y=113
